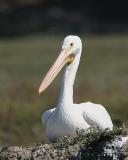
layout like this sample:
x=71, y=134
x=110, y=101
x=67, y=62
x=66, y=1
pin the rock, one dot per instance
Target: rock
x=15, y=152
x=94, y=145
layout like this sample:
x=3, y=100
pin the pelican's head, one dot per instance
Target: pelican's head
x=71, y=47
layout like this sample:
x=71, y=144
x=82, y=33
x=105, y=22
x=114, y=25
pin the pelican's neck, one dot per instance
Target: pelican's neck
x=66, y=93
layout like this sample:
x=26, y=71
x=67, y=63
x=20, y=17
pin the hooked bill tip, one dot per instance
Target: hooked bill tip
x=39, y=92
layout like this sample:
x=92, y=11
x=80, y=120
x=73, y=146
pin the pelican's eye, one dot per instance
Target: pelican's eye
x=71, y=44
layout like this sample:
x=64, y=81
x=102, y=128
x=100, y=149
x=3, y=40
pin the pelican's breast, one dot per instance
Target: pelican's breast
x=65, y=122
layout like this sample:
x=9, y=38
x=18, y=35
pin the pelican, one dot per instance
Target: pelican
x=67, y=117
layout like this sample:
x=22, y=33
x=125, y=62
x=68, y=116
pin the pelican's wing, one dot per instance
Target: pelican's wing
x=46, y=115
x=96, y=115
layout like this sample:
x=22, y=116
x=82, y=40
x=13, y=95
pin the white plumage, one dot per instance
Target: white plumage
x=67, y=117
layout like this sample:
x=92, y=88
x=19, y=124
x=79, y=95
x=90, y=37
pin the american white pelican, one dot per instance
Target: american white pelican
x=67, y=116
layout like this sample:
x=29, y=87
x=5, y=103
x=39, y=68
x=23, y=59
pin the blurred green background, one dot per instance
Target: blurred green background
x=102, y=78
x=29, y=46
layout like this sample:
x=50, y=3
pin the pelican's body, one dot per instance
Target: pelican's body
x=67, y=117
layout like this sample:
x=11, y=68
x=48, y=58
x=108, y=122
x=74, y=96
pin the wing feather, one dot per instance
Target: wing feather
x=96, y=116
x=46, y=115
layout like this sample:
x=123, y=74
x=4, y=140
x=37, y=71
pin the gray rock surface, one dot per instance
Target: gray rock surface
x=96, y=145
